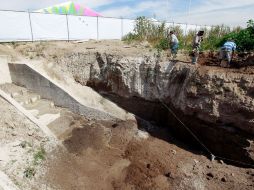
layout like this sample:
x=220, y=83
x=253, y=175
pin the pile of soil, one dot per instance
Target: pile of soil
x=239, y=59
x=108, y=155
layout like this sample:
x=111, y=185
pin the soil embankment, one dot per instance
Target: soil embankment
x=216, y=103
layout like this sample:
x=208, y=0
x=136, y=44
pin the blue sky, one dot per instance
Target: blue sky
x=202, y=12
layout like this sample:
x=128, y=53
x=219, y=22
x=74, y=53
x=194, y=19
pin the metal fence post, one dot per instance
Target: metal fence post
x=121, y=27
x=185, y=33
x=31, y=28
x=68, y=31
x=97, y=28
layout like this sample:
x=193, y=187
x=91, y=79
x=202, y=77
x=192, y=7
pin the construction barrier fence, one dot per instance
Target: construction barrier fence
x=33, y=26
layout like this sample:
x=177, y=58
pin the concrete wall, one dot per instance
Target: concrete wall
x=23, y=75
x=4, y=70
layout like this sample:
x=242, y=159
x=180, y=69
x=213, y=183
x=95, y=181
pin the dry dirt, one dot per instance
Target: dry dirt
x=48, y=51
x=112, y=155
x=20, y=141
x=107, y=155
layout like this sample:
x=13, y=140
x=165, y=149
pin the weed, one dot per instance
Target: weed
x=39, y=156
x=29, y=172
x=24, y=144
x=14, y=44
x=13, y=161
x=17, y=184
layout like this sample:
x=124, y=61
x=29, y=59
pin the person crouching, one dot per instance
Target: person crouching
x=227, y=52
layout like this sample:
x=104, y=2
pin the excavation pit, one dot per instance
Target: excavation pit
x=105, y=146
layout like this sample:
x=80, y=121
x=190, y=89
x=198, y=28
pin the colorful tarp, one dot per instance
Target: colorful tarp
x=70, y=8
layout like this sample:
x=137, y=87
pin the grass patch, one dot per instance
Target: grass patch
x=39, y=156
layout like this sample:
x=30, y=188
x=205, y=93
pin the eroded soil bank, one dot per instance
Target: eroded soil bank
x=216, y=103
x=111, y=155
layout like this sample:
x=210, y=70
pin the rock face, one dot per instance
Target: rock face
x=220, y=101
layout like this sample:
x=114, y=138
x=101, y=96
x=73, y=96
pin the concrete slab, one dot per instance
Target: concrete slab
x=23, y=75
x=30, y=116
x=5, y=76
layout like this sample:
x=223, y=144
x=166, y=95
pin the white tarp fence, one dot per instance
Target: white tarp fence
x=49, y=26
x=15, y=26
x=25, y=26
x=82, y=27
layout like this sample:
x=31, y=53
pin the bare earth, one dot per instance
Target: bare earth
x=117, y=156
x=20, y=141
x=104, y=154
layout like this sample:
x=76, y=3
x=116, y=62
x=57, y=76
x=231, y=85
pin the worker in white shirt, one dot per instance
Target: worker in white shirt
x=174, y=44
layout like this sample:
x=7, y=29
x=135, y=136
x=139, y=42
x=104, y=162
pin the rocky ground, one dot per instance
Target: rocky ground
x=217, y=103
x=109, y=155
x=23, y=148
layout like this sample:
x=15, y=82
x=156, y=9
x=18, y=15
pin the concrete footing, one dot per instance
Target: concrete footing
x=23, y=75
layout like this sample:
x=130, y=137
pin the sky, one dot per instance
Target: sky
x=200, y=12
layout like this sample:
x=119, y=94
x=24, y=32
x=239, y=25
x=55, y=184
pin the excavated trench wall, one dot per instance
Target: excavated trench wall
x=215, y=103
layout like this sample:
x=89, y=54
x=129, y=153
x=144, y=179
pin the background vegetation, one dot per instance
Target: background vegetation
x=156, y=33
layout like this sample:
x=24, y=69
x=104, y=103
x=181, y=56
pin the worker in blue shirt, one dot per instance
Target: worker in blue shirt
x=227, y=51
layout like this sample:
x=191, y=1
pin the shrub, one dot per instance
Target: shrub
x=163, y=44
x=157, y=34
x=146, y=30
x=243, y=38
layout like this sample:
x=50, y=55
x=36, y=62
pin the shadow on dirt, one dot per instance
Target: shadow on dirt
x=222, y=140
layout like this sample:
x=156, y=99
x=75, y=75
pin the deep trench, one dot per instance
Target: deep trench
x=152, y=116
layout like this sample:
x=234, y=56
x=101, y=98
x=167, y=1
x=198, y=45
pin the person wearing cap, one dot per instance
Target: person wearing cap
x=227, y=51
x=198, y=38
x=174, y=44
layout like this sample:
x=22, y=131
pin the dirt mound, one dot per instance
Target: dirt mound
x=239, y=60
x=107, y=155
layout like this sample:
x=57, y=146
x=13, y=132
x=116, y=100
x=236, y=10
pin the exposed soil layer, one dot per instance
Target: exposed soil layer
x=222, y=140
x=238, y=61
x=107, y=155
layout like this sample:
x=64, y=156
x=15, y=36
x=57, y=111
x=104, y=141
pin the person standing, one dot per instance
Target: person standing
x=227, y=51
x=198, y=38
x=174, y=44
